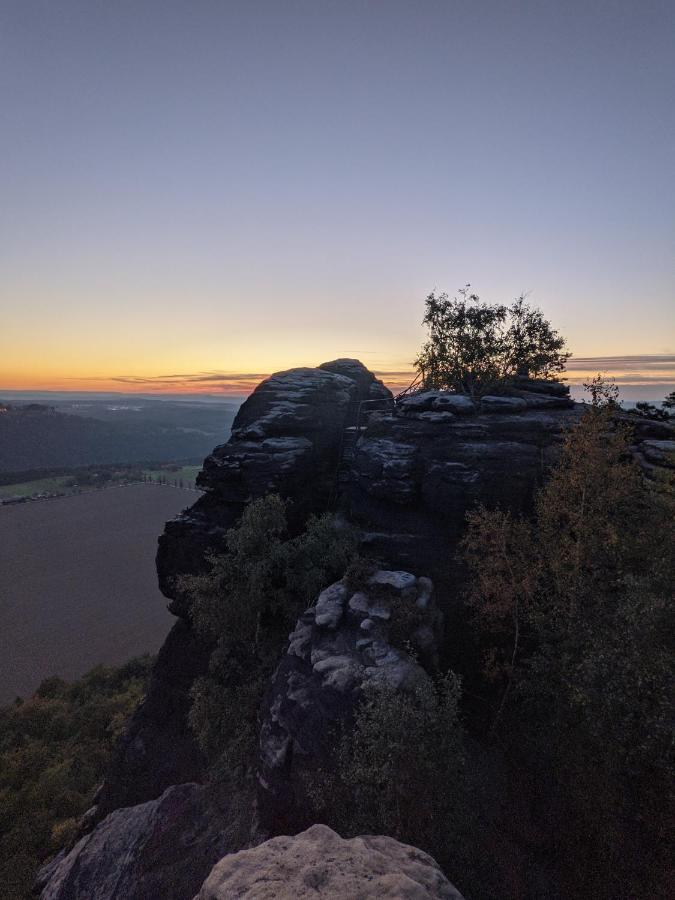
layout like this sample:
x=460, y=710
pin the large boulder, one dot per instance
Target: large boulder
x=426, y=401
x=163, y=848
x=319, y=863
x=371, y=389
x=351, y=638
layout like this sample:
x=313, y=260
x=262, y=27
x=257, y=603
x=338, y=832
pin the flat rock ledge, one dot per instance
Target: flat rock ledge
x=319, y=863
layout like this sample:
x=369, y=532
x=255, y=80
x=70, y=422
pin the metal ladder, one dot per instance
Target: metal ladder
x=347, y=451
x=350, y=437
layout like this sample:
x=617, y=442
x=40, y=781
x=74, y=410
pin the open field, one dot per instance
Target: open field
x=58, y=484
x=78, y=584
x=74, y=483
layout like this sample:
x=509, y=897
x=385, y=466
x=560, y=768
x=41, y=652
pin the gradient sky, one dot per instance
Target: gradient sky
x=217, y=190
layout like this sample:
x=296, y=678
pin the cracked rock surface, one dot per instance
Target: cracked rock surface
x=319, y=863
x=350, y=638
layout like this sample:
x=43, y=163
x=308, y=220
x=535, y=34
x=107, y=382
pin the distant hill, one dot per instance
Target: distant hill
x=34, y=435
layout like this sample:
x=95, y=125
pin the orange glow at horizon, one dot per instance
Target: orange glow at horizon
x=641, y=371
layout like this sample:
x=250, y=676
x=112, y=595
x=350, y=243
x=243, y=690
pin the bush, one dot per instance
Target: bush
x=475, y=348
x=576, y=607
x=402, y=764
x=54, y=749
x=399, y=769
x=403, y=770
x=649, y=411
x=245, y=605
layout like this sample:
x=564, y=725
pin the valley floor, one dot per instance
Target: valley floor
x=78, y=585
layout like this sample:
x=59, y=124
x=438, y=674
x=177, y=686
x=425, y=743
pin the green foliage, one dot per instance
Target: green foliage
x=358, y=572
x=406, y=618
x=400, y=769
x=402, y=765
x=476, y=347
x=649, y=411
x=246, y=605
x=577, y=607
x=54, y=748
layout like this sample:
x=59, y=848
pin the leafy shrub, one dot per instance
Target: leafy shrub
x=54, y=748
x=648, y=411
x=577, y=606
x=403, y=770
x=358, y=572
x=246, y=605
x=406, y=618
x=402, y=765
x=475, y=347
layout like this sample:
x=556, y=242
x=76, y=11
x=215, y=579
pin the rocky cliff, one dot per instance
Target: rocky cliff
x=287, y=438
x=404, y=474
x=332, y=437
x=419, y=468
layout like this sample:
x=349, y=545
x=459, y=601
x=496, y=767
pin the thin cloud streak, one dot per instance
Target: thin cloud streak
x=623, y=363
x=223, y=382
x=643, y=370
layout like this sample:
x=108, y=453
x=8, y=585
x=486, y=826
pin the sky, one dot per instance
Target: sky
x=196, y=194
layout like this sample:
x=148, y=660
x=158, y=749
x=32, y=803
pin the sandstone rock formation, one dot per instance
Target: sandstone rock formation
x=349, y=639
x=404, y=474
x=418, y=470
x=406, y=482
x=286, y=439
x=319, y=863
x=160, y=849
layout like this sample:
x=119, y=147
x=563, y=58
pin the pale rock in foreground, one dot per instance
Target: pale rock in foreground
x=319, y=863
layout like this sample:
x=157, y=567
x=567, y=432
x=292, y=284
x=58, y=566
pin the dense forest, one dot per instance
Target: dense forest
x=54, y=749
x=36, y=436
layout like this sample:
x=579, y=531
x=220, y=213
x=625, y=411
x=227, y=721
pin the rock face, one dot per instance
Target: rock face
x=349, y=639
x=416, y=472
x=285, y=439
x=159, y=748
x=405, y=475
x=164, y=848
x=407, y=482
x=319, y=863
